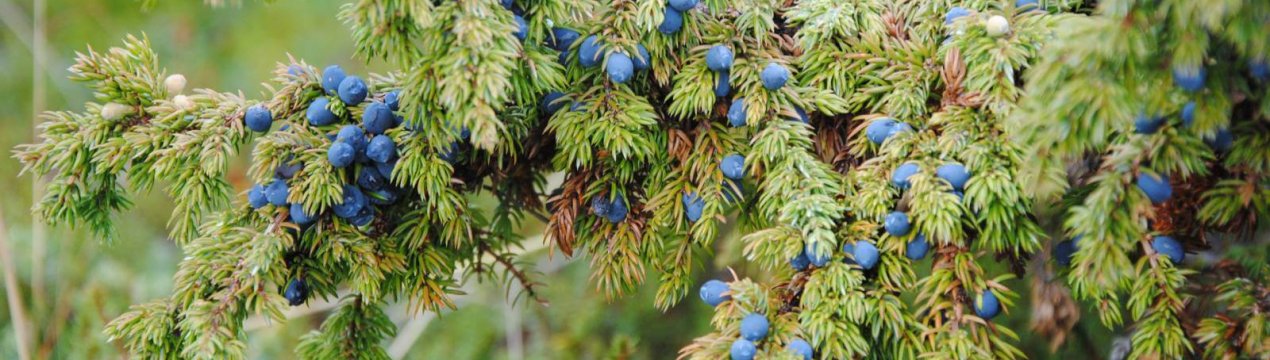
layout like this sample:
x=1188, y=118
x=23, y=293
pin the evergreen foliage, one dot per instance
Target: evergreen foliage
x=847, y=140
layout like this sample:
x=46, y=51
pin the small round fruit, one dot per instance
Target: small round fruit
x=754, y=327
x=1146, y=125
x=997, y=26
x=899, y=176
x=671, y=22
x=1187, y=114
x=619, y=67
x=733, y=166
x=774, y=76
x=987, y=306
x=352, y=200
x=743, y=350
x=802, y=348
x=381, y=149
x=256, y=197
x=719, y=58
x=1167, y=246
x=332, y=76
x=736, y=113
x=352, y=90
x=1223, y=141
x=955, y=174
x=617, y=210
x=277, y=192
x=712, y=292
x=296, y=292
x=377, y=118
x=352, y=135
x=641, y=57
x=589, y=52
x=341, y=155
x=693, y=206
x=299, y=217
x=1189, y=78
x=848, y=248
x=865, y=254
x=917, y=248
x=551, y=102
x=897, y=224
x=318, y=113
x=1064, y=250
x=818, y=257
x=1156, y=187
x=522, y=28
x=955, y=13
x=800, y=262
x=562, y=38
x=393, y=100
x=879, y=129
x=683, y=5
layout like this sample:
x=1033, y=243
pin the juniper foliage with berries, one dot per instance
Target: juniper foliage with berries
x=892, y=165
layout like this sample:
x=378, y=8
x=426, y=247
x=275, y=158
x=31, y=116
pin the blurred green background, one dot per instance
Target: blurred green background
x=81, y=283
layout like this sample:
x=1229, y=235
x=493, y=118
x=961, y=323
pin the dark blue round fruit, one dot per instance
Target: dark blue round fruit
x=671, y=22
x=743, y=350
x=318, y=113
x=1026, y=4
x=277, y=192
x=800, y=262
x=899, y=176
x=562, y=38
x=1187, y=114
x=451, y=154
x=987, y=306
x=256, y=197
x=774, y=76
x=693, y=206
x=899, y=127
x=370, y=179
x=754, y=327
x=296, y=292
x=551, y=102
x=802, y=348
x=917, y=248
x=287, y=169
x=733, y=166
x=736, y=113
x=683, y=5
x=719, y=58
x=955, y=174
x=381, y=149
x=619, y=67
x=393, y=100
x=1146, y=125
x=712, y=292
x=1189, y=78
x=879, y=130
x=848, y=248
x=363, y=217
x=386, y=168
x=617, y=210
x=642, y=57
x=818, y=257
x=866, y=254
x=600, y=206
x=352, y=90
x=1156, y=187
x=352, y=200
x=352, y=135
x=955, y=13
x=331, y=78
x=1259, y=69
x=1167, y=246
x=802, y=115
x=377, y=118
x=385, y=196
x=299, y=217
x=522, y=27
x=1223, y=141
x=341, y=155
x=1064, y=250
x=258, y=118
x=589, y=52
x=897, y=224
x=723, y=85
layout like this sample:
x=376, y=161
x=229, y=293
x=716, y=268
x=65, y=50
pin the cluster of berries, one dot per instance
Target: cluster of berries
x=754, y=327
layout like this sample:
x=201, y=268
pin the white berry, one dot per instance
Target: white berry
x=174, y=83
x=115, y=111
x=998, y=26
x=183, y=102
